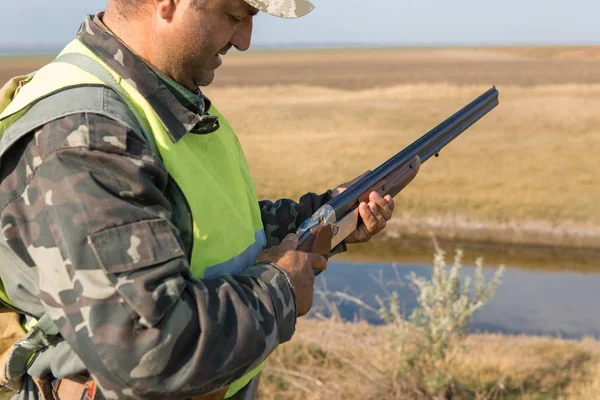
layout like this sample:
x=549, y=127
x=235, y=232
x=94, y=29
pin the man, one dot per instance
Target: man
x=130, y=217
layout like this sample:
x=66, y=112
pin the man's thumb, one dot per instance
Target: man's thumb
x=290, y=242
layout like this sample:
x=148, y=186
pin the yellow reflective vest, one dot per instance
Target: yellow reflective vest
x=210, y=170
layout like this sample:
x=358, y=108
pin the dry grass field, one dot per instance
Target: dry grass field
x=332, y=360
x=525, y=176
x=531, y=159
x=369, y=68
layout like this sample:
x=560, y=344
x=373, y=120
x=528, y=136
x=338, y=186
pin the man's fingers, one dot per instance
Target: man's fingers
x=369, y=219
x=290, y=242
x=374, y=216
x=390, y=202
x=318, y=262
x=383, y=207
x=378, y=216
x=376, y=203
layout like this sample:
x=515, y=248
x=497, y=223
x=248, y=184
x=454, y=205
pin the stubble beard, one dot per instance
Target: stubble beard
x=190, y=69
x=199, y=59
x=205, y=78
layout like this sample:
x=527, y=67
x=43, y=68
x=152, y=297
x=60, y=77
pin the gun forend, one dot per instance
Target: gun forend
x=323, y=236
x=395, y=181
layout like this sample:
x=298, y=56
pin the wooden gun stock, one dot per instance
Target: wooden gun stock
x=319, y=242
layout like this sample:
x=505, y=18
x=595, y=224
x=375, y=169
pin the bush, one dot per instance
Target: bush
x=424, y=345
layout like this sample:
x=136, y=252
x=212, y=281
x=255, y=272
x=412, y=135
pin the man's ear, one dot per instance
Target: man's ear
x=165, y=9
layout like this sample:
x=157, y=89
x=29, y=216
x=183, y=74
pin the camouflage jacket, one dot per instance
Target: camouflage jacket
x=152, y=331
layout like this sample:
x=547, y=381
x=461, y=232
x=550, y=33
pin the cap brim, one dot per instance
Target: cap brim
x=283, y=8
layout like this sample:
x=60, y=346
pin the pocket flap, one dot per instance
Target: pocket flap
x=149, y=242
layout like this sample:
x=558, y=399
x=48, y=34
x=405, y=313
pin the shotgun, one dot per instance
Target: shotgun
x=334, y=221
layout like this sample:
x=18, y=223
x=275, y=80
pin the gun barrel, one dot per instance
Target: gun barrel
x=424, y=147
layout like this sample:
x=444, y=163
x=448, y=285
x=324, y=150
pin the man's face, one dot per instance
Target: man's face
x=193, y=43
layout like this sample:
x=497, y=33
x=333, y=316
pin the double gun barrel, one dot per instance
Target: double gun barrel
x=424, y=148
x=335, y=220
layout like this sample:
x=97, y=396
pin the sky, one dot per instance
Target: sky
x=368, y=22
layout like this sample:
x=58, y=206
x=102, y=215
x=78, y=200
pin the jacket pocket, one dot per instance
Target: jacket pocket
x=150, y=242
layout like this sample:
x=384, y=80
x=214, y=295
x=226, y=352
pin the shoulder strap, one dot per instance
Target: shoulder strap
x=92, y=67
x=79, y=99
x=74, y=100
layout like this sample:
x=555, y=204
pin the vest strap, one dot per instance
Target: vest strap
x=92, y=67
x=72, y=100
x=80, y=99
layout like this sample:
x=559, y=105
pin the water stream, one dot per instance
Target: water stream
x=552, y=303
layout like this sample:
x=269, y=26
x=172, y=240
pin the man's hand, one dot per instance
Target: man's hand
x=299, y=267
x=374, y=215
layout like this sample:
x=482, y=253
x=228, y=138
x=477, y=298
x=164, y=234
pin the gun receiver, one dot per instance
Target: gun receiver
x=334, y=221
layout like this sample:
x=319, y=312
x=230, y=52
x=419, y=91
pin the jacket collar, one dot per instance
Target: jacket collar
x=180, y=110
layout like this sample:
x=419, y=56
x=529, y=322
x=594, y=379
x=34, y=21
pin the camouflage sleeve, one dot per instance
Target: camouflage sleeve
x=88, y=210
x=285, y=216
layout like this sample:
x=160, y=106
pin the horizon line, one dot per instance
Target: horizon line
x=43, y=49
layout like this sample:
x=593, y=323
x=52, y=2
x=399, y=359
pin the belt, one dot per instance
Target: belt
x=74, y=388
x=83, y=388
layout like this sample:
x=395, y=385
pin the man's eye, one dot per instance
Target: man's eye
x=233, y=18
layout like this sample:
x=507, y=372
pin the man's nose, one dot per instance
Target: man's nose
x=243, y=34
